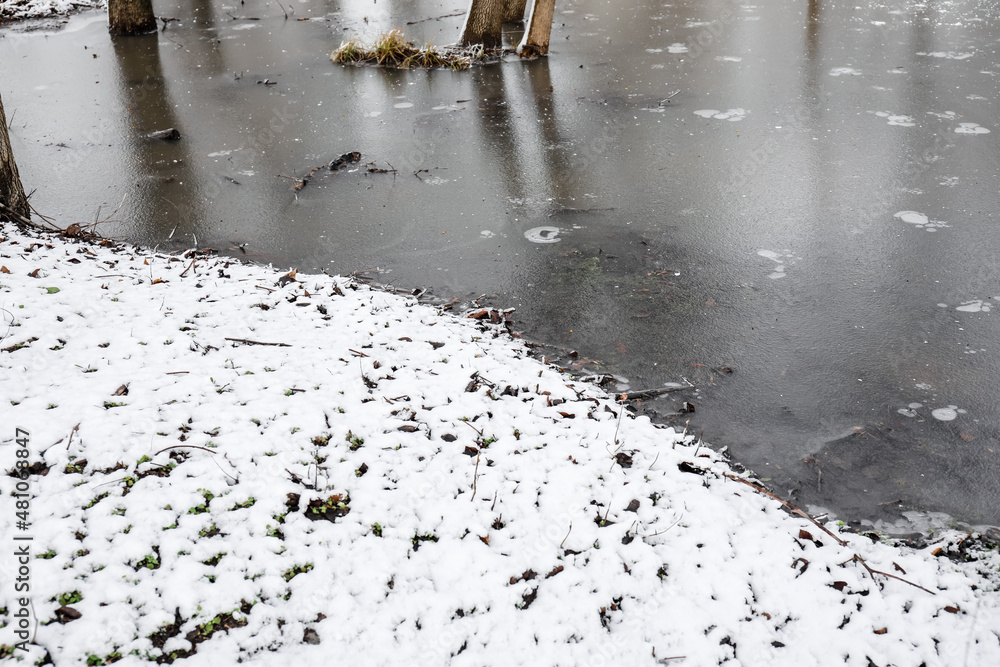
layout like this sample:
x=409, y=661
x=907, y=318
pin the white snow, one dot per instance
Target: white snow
x=481, y=511
x=25, y=9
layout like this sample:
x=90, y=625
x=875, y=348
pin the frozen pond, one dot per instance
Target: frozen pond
x=792, y=205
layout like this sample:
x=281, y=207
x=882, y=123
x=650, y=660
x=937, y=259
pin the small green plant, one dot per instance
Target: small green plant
x=255, y=421
x=249, y=502
x=355, y=441
x=377, y=530
x=69, y=598
x=150, y=562
x=112, y=404
x=52, y=406
x=95, y=501
x=214, y=560
x=298, y=569
x=94, y=660
x=418, y=539
x=51, y=553
x=202, y=508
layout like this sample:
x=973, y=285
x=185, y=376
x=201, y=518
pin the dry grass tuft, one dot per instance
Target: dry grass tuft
x=392, y=50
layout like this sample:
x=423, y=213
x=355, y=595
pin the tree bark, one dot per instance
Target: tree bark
x=484, y=23
x=130, y=17
x=514, y=10
x=11, y=190
x=539, y=28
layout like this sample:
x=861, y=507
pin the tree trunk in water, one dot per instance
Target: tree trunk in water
x=514, y=11
x=536, y=37
x=11, y=190
x=484, y=23
x=130, y=17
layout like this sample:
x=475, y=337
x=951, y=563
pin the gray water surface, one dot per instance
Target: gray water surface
x=790, y=204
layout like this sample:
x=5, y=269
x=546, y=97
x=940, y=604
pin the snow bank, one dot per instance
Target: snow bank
x=29, y=9
x=383, y=483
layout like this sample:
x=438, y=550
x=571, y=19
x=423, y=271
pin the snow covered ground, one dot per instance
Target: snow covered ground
x=383, y=483
x=28, y=9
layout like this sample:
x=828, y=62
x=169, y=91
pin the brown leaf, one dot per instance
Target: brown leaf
x=967, y=437
x=408, y=428
x=840, y=585
x=4, y=269
x=471, y=451
x=952, y=610
x=121, y=391
x=882, y=631
x=567, y=415
x=898, y=568
x=485, y=540
x=34, y=274
x=555, y=571
x=805, y=535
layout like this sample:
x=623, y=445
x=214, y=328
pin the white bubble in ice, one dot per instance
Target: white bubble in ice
x=944, y=414
x=543, y=234
x=971, y=128
x=403, y=105
x=677, y=48
x=487, y=234
x=906, y=413
x=844, y=71
x=914, y=406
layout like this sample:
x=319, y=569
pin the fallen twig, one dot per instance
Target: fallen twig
x=858, y=559
x=184, y=447
x=256, y=342
x=435, y=18
x=651, y=393
x=72, y=431
x=787, y=504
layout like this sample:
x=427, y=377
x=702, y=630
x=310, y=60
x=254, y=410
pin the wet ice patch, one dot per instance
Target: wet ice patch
x=950, y=55
x=971, y=128
x=654, y=50
x=487, y=234
x=402, y=105
x=434, y=180
x=910, y=410
x=895, y=119
x=219, y=153
x=920, y=221
x=779, y=258
x=730, y=114
x=373, y=114
x=845, y=71
x=947, y=115
x=730, y=59
x=544, y=234
x=677, y=47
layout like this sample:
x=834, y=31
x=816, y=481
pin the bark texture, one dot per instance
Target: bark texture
x=484, y=23
x=514, y=10
x=536, y=35
x=130, y=17
x=11, y=190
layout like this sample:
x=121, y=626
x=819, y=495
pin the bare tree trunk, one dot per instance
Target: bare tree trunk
x=484, y=23
x=130, y=17
x=514, y=10
x=539, y=28
x=11, y=190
